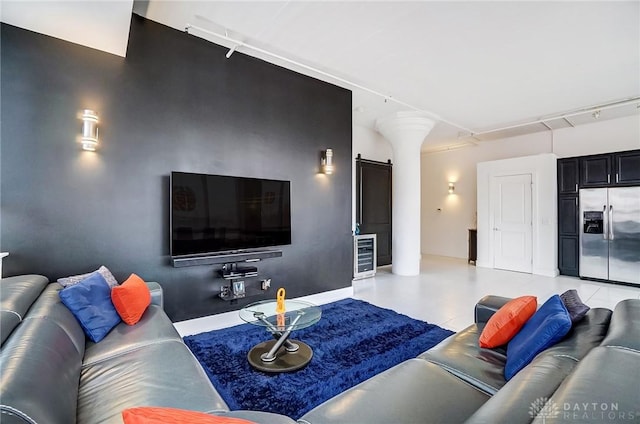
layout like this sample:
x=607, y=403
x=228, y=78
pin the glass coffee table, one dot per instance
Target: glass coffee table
x=281, y=354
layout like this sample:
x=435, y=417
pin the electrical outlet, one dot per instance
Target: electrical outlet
x=266, y=284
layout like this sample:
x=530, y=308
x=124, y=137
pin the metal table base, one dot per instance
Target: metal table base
x=284, y=361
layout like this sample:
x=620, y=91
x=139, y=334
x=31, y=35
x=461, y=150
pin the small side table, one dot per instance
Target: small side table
x=473, y=245
x=281, y=354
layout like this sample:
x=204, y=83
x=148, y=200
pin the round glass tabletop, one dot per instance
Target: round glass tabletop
x=298, y=314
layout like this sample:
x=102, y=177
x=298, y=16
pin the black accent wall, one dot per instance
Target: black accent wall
x=174, y=103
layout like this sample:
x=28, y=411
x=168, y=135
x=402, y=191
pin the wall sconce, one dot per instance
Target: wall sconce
x=89, y=138
x=452, y=188
x=327, y=162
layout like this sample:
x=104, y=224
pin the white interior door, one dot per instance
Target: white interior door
x=512, y=225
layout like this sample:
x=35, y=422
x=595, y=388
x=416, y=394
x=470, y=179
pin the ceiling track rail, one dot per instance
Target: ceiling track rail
x=564, y=116
x=469, y=133
x=237, y=44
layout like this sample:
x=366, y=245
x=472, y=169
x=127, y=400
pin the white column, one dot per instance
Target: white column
x=406, y=132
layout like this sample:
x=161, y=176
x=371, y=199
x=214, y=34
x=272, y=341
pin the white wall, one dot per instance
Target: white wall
x=446, y=218
x=542, y=168
x=445, y=232
x=371, y=145
x=614, y=135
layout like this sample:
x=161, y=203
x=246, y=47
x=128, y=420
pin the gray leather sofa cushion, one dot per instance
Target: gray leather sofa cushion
x=625, y=325
x=461, y=355
x=537, y=380
x=18, y=293
x=162, y=374
x=487, y=306
x=415, y=391
x=153, y=327
x=543, y=376
x=157, y=295
x=8, y=321
x=583, y=336
x=605, y=382
x=49, y=307
x=258, y=417
x=16, y=296
x=39, y=374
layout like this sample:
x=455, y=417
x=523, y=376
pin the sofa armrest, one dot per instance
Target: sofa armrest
x=157, y=297
x=487, y=306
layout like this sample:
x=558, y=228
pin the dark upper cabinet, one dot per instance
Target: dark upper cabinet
x=568, y=176
x=595, y=171
x=627, y=167
x=615, y=169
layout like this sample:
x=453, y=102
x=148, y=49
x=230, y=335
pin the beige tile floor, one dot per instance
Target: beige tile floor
x=447, y=289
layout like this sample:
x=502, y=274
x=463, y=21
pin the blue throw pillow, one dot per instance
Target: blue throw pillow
x=545, y=328
x=90, y=302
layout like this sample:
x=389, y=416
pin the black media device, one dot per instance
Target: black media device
x=213, y=214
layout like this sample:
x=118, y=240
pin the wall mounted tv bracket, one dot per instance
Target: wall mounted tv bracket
x=235, y=274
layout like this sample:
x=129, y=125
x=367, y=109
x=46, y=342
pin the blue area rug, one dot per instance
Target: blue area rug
x=352, y=342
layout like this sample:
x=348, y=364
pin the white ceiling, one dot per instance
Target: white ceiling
x=478, y=65
x=99, y=24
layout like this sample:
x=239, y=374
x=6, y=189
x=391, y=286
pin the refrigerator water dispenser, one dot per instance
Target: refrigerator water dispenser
x=593, y=222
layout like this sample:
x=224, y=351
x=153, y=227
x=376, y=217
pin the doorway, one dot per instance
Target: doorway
x=511, y=208
x=373, y=204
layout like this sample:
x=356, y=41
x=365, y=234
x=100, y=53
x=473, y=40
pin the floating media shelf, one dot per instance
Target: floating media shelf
x=223, y=258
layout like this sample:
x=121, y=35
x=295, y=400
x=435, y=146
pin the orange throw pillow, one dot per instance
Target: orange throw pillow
x=507, y=321
x=157, y=415
x=131, y=299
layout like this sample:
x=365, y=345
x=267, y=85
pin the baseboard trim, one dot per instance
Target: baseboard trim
x=546, y=272
x=483, y=264
x=229, y=319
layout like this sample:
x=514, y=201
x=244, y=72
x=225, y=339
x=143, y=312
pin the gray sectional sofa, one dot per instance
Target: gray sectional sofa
x=591, y=376
x=50, y=373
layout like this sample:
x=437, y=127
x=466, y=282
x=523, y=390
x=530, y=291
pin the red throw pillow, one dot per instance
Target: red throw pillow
x=507, y=321
x=157, y=415
x=131, y=299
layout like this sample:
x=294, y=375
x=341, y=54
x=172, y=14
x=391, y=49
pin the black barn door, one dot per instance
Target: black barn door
x=373, y=203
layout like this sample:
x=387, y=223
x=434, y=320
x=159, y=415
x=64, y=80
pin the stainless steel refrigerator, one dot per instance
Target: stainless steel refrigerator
x=610, y=234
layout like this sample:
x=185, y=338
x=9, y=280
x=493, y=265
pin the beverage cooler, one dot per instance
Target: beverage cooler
x=610, y=234
x=364, y=256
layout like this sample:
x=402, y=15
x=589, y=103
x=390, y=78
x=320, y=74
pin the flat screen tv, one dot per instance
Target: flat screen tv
x=218, y=213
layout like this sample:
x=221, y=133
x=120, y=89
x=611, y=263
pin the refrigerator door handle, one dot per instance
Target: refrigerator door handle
x=610, y=222
x=605, y=222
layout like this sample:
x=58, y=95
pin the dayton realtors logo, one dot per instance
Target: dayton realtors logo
x=597, y=411
x=546, y=409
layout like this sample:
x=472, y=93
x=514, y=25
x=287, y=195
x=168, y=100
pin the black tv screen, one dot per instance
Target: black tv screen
x=218, y=213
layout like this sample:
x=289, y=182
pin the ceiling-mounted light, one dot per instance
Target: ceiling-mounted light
x=596, y=114
x=89, y=138
x=327, y=162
